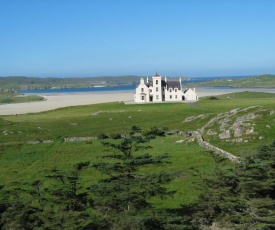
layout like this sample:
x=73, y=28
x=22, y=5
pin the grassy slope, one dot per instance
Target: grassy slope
x=243, y=100
x=10, y=97
x=29, y=162
x=44, y=83
x=20, y=82
x=261, y=81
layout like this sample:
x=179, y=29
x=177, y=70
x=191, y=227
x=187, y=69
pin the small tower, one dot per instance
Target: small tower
x=157, y=90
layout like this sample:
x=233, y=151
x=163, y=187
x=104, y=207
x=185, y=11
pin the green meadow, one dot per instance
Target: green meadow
x=23, y=161
x=33, y=146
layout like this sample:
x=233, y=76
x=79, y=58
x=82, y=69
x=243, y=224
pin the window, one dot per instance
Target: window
x=157, y=97
x=150, y=90
x=170, y=90
x=157, y=81
x=176, y=96
x=142, y=98
x=170, y=96
x=176, y=90
x=142, y=90
x=157, y=89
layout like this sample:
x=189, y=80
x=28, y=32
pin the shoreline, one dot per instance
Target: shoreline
x=60, y=100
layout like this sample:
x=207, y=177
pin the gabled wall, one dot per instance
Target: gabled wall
x=142, y=92
x=173, y=94
x=190, y=95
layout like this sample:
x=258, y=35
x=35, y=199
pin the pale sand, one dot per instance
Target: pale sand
x=59, y=100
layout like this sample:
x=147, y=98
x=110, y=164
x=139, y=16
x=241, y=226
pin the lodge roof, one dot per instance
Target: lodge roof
x=156, y=75
x=173, y=84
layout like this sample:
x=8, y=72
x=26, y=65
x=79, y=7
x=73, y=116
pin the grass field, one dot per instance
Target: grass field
x=261, y=81
x=20, y=161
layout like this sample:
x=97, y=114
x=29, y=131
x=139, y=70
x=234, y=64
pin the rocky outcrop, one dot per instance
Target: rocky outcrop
x=236, y=125
x=201, y=116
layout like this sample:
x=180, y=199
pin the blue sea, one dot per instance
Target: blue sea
x=115, y=88
x=78, y=90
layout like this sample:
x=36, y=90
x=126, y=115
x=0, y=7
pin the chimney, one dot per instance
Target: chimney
x=141, y=80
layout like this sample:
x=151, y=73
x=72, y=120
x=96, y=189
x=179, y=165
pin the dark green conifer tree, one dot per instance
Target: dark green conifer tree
x=123, y=196
x=241, y=196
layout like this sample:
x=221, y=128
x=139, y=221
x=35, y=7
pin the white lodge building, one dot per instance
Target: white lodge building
x=158, y=90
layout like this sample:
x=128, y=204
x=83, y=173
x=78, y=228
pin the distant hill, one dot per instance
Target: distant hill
x=25, y=83
x=260, y=81
x=20, y=82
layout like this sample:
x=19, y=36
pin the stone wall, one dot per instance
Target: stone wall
x=216, y=150
x=74, y=139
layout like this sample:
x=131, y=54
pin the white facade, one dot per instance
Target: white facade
x=158, y=90
x=190, y=95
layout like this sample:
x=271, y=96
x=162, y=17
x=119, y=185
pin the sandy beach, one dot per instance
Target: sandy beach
x=59, y=100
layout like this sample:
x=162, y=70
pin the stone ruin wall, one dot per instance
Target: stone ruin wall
x=215, y=149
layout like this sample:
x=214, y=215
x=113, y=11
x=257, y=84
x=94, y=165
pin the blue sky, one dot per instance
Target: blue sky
x=86, y=38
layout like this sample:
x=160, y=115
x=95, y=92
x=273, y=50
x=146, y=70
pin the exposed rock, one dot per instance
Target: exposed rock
x=249, y=116
x=192, y=139
x=224, y=123
x=179, y=133
x=246, y=124
x=237, y=124
x=249, y=131
x=211, y=132
x=201, y=116
x=99, y=112
x=225, y=134
x=238, y=132
x=237, y=140
x=188, y=119
x=179, y=141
